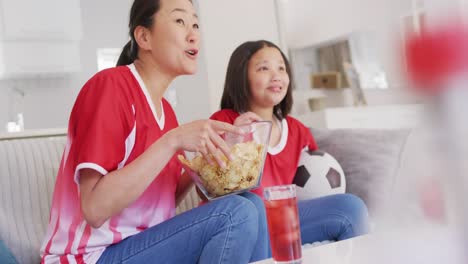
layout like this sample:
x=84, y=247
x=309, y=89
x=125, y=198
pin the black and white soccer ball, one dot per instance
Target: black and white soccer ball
x=318, y=174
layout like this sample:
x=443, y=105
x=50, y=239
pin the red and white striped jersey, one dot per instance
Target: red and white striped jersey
x=112, y=122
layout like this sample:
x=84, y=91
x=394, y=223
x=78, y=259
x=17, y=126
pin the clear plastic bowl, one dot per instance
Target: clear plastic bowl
x=243, y=173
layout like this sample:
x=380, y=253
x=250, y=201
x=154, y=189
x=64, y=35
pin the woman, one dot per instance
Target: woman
x=119, y=179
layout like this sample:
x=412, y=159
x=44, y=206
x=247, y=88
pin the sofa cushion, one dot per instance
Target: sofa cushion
x=370, y=159
x=27, y=173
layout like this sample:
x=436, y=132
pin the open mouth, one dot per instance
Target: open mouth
x=192, y=52
x=275, y=88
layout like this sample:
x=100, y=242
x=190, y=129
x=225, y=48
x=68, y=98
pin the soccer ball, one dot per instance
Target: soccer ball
x=318, y=174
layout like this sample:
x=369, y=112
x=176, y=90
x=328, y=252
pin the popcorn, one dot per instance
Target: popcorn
x=240, y=173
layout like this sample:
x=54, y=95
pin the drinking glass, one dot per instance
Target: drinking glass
x=283, y=223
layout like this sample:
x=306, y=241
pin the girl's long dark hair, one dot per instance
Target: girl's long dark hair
x=236, y=87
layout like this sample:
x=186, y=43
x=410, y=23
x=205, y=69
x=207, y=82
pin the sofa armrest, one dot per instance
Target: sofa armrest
x=28, y=167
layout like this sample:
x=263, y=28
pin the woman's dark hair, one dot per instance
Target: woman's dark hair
x=141, y=14
x=237, y=87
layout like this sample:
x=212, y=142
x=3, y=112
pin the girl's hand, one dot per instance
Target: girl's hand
x=204, y=136
x=246, y=118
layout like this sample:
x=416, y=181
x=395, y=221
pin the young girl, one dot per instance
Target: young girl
x=119, y=179
x=258, y=87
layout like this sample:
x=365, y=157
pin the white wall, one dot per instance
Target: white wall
x=224, y=25
x=314, y=22
x=3, y=107
x=48, y=102
x=440, y=11
x=193, y=95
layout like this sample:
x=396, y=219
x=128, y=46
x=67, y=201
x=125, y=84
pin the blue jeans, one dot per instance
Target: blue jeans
x=229, y=230
x=5, y=255
x=335, y=217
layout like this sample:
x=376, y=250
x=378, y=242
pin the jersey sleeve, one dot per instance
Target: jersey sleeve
x=100, y=124
x=310, y=140
x=225, y=115
x=307, y=139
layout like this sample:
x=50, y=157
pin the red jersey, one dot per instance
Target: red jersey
x=281, y=160
x=112, y=122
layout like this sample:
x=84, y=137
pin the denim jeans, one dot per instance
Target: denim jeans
x=5, y=255
x=229, y=230
x=335, y=217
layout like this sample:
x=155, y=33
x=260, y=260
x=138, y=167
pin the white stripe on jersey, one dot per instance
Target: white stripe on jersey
x=50, y=230
x=94, y=256
x=78, y=236
x=60, y=242
x=51, y=259
x=129, y=220
x=101, y=236
x=129, y=144
x=160, y=121
x=283, y=140
x=157, y=218
x=88, y=165
x=71, y=259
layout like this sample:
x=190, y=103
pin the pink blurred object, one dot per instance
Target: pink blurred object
x=437, y=63
x=432, y=199
x=435, y=55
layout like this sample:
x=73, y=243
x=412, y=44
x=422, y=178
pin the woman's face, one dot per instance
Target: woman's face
x=175, y=37
x=268, y=78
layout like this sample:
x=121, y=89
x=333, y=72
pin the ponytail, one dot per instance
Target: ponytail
x=128, y=55
x=141, y=14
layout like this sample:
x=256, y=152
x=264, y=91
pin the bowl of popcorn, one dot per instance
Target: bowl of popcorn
x=242, y=173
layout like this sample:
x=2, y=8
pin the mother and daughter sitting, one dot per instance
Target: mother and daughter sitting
x=120, y=181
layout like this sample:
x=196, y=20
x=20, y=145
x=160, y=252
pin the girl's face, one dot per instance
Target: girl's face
x=174, y=37
x=268, y=78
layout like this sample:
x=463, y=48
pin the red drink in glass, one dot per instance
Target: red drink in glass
x=283, y=223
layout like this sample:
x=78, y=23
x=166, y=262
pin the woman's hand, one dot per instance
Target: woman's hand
x=246, y=118
x=204, y=136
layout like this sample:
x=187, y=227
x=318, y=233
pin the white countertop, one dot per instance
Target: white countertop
x=375, y=117
x=433, y=246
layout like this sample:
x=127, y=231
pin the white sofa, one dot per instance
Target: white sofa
x=29, y=163
x=28, y=167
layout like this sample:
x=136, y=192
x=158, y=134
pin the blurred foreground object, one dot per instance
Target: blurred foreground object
x=437, y=57
x=437, y=64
